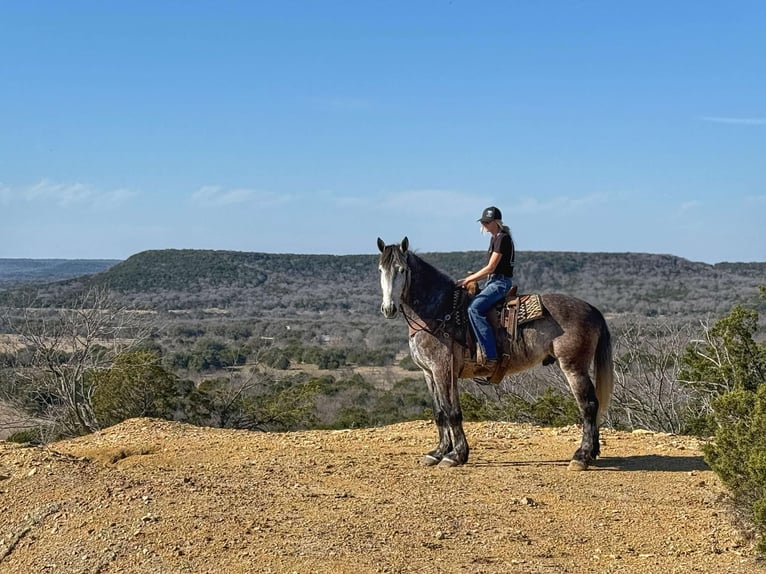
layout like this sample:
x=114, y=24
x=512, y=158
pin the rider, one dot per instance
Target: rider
x=499, y=273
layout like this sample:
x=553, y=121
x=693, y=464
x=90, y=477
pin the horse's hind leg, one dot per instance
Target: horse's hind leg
x=585, y=394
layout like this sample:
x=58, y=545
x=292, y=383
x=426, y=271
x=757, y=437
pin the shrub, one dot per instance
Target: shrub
x=352, y=417
x=552, y=408
x=136, y=385
x=738, y=454
x=27, y=436
x=728, y=358
x=280, y=362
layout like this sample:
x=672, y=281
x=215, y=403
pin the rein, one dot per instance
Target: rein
x=416, y=323
x=445, y=323
x=416, y=326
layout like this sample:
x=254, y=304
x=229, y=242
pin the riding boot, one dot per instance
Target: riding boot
x=488, y=368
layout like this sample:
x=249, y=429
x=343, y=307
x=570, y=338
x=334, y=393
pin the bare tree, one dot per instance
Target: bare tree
x=59, y=349
x=647, y=392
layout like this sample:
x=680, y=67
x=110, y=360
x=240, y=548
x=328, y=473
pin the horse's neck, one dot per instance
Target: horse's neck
x=430, y=292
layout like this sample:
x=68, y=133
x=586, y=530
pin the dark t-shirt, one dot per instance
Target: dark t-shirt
x=503, y=244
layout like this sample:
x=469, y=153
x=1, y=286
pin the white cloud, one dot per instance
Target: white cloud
x=451, y=204
x=687, y=206
x=214, y=195
x=6, y=194
x=434, y=203
x=750, y=199
x=735, y=121
x=66, y=194
x=532, y=205
x=63, y=194
x=346, y=202
x=114, y=198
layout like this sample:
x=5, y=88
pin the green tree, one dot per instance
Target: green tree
x=726, y=359
x=728, y=369
x=136, y=385
x=286, y=407
x=256, y=401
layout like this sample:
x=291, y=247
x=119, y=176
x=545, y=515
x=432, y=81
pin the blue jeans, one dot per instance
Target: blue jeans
x=494, y=290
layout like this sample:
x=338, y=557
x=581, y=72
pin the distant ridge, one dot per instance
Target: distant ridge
x=265, y=284
x=15, y=272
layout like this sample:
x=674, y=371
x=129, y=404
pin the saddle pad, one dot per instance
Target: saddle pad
x=530, y=308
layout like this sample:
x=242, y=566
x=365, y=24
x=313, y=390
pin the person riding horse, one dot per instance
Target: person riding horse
x=499, y=273
x=570, y=332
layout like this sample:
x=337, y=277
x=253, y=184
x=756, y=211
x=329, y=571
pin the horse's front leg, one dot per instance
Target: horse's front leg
x=435, y=456
x=459, y=453
x=436, y=360
x=445, y=382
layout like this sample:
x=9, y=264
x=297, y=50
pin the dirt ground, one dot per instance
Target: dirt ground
x=162, y=497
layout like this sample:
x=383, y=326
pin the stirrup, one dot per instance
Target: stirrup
x=490, y=368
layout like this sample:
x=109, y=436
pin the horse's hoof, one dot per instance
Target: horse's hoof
x=430, y=460
x=448, y=462
x=577, y=465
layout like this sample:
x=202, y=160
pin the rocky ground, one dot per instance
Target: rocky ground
x=162, y=497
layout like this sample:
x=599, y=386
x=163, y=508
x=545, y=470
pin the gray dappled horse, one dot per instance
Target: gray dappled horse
x=571, y=331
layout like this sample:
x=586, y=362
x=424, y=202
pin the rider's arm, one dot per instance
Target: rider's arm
x=488, y=269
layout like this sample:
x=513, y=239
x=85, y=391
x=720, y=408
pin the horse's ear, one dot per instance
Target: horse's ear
x=405, y=244
x=381, y=244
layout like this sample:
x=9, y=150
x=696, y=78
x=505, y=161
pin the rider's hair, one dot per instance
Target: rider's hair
x=502, y=226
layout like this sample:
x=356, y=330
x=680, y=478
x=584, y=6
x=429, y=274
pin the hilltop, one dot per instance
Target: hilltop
x=158, y=496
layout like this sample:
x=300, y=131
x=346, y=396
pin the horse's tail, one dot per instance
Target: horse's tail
x=604, y=370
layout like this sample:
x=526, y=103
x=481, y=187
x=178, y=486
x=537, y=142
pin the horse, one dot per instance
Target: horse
x=571, y=332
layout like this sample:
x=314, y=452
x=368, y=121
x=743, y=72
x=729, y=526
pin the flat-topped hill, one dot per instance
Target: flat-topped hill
x=279, y=284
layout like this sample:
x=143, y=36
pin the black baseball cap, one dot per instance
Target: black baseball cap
x=490, y=214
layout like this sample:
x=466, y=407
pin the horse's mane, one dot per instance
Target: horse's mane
x=435, y=277
x=430, y=289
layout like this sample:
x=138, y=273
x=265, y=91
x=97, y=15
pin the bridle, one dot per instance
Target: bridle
x=415, y=323
x=395, y=263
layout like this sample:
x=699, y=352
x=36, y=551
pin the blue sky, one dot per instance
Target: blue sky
x=317, y=126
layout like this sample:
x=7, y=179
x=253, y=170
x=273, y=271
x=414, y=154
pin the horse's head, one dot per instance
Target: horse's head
x=394, y=275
